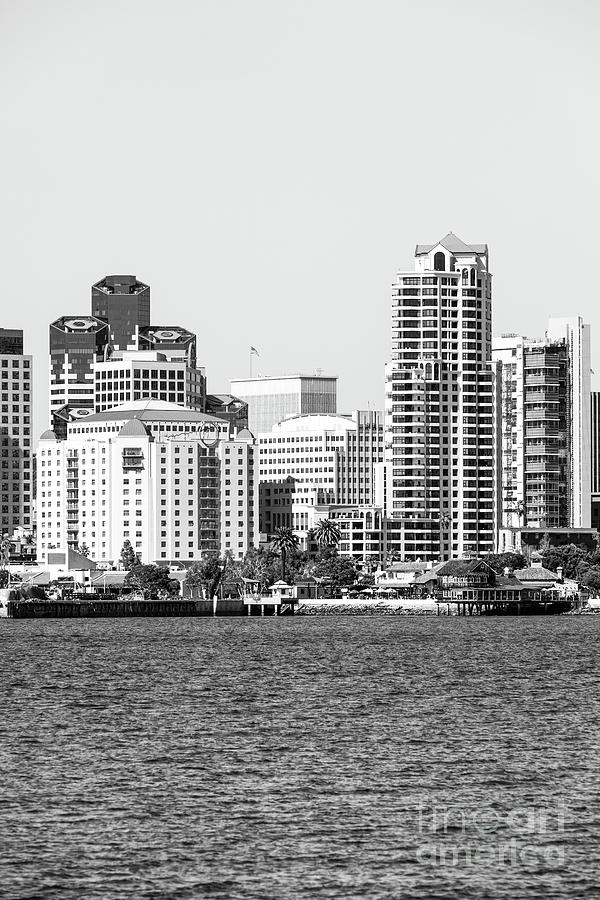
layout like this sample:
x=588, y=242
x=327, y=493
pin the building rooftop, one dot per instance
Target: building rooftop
x=258, y=378
x=120, y=284
x=460, y=567
x=453, y=244
x=133, y=428
x=151, y=410
x=315, y=422
x=536, y=573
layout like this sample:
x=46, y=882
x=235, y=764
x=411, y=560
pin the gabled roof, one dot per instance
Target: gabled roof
x=452, y=244
x=536, y=573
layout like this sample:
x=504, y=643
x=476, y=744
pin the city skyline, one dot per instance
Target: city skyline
x=265, y=187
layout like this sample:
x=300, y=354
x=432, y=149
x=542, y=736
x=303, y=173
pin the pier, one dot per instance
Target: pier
x=121, y=608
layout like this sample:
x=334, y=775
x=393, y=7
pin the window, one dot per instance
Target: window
x=439, y=261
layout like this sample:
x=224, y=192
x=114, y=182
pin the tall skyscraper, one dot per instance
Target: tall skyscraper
x=576, y=334
x=271, y=399
x=76, y=343
x=441, y=469
x=16, y=487
x=124, y=302
x=546, y=430
x=595, y=454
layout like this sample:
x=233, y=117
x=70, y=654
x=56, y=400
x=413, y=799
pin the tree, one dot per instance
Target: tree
x=85, y=550
x=152, y=581
x=262, y=565
x=129, y=557
x=327, y=533
x=573, y=560
x=339, y=571
x=206, y=574
x=501, y=561
x=284, y=542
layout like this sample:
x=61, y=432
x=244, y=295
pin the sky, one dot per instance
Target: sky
x=268, y=166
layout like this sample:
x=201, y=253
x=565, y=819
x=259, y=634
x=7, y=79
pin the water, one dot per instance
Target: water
x=289, y=758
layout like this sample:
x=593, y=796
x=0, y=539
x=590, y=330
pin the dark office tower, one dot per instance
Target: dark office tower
x=11, y=341
x=174, y=342
x=125, y=303
x=76, y=343
x=15, y=433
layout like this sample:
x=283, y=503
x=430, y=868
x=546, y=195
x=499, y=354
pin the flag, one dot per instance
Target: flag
x=254, y=350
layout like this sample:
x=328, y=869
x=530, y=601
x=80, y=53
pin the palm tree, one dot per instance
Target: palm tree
x=284, y=542
x=327, y=533
x=445, y=522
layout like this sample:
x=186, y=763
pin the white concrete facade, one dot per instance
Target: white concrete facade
x=546, y=429
x=172, y=481
x=312, y=461
x=135, y=375
x=271, y=399
x=439, y=483
x=577, y=335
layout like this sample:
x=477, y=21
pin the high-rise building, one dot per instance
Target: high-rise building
x=310, y=462
x=76, y=343
x=595, y=459
x=138, y=374
x=124, y=302
x=545, y=430
x=441, y=469
x=576, y=334
x=173, y=481
x=174, y=342
x=271, y=399
x=16, y=487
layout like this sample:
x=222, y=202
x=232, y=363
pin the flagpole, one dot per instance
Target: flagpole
x=250, y=362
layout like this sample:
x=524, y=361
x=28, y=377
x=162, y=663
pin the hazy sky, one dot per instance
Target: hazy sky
x=267, y=167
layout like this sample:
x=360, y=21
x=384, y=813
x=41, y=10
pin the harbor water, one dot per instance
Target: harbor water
x=307, y=757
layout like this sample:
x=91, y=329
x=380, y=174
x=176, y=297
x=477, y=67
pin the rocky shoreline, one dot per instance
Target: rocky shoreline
x=360, y=608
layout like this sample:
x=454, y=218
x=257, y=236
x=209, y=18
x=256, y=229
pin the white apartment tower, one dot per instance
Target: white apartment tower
x=441, y=469
x=545, y=430
x=175, y=482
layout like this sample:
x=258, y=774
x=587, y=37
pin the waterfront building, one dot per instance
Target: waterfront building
x=175, y=482
x=309, y=463
x=271, y=399
x=136, y=375
x=545, y=435
x=439, y=482
x=76, y=343
x=16, y=417
x=123, y=302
